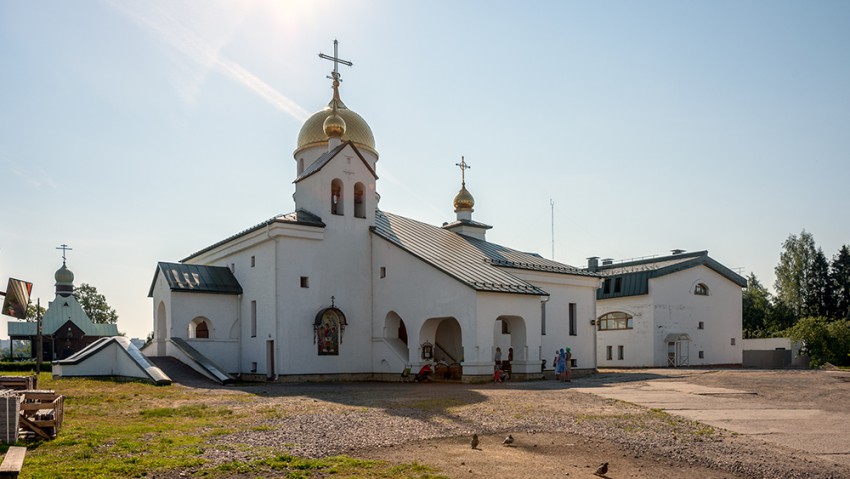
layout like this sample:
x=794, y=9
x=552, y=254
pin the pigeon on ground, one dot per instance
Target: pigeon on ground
x=475, y=441
x=508, y=440
x=602, y=469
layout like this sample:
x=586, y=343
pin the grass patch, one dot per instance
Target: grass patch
x=119, y=429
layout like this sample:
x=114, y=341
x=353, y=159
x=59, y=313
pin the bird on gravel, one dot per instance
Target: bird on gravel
x=475, y=441
x=602, y=469
x=508, y=440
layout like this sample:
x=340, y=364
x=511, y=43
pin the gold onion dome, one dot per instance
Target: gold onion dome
x=464, y=200
x=355, y=128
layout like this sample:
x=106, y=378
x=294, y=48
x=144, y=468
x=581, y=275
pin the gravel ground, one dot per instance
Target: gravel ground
x=398, y=421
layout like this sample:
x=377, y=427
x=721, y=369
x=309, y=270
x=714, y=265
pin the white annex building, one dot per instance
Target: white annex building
x=340, y=289
x=678, y=310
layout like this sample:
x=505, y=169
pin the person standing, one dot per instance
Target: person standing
x=568, y=364
x=561, y=365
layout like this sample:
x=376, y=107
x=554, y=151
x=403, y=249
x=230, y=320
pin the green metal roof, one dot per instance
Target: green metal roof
x=634, y=276
x=196, y=278
x=59, y=312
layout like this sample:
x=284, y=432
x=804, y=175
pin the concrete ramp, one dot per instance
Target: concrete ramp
x=114, y=356
x=197, y=361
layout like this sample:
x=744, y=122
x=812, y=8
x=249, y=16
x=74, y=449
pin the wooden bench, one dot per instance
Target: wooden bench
x=13, y=462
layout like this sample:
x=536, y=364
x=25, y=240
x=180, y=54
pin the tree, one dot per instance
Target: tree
x=33, y=310
x=95, y=305
x=756, y=308
x=818, y=296
x=825, y=341
x=839, y=276
x=799, y=276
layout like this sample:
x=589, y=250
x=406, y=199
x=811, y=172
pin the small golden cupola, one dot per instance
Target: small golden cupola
x=464, y=200
x=463, y=203
x=334, y=125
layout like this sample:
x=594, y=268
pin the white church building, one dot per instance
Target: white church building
x=339, y=289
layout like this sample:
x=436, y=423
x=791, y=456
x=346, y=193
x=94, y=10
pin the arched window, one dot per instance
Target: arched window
x=614, y=320
x=199, y=328
x=300, y=166
x=359, y=205
x=202, y=331
x=336, y=197
x=701, y=289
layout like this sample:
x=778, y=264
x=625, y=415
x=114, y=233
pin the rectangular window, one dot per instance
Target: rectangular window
x=253, y=366
x=609, y=352
x=543, y=318
x=305, y=282
x=573, y=320
x=620, y=352
x=253, y=319
x=606, y=286
x=733, y=341
x=383, y=271
x=253, y=261
x=701, y=325
x=506, y=329
x=573, y=363
x=701, y=355
x=618, y=285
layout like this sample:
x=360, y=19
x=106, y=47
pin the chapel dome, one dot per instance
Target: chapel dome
x=64, y=276
x=356, y=129
x=464, y=200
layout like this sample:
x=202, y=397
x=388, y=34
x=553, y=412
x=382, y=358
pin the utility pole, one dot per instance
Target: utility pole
x=38, y=346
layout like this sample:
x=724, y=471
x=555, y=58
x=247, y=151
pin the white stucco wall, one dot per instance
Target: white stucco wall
x=672, y=308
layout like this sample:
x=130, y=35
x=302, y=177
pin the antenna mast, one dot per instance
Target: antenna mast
x=552, y=206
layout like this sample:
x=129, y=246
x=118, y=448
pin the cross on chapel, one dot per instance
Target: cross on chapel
x=463, y=167
x=64, y=248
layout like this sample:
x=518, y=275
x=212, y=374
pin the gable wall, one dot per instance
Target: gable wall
x=671, y=307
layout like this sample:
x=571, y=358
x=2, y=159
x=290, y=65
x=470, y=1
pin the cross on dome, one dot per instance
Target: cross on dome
x=64, y=248
x=335, y=58
x=463, y=167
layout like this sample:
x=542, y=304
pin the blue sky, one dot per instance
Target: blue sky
x=139, y=132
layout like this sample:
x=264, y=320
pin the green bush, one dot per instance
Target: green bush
x=824, y=340
x=24, y=366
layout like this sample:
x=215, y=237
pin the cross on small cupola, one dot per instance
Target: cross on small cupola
x=335, y=73
x=464, y=201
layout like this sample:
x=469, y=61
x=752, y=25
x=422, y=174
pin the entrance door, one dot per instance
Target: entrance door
x=270, y=360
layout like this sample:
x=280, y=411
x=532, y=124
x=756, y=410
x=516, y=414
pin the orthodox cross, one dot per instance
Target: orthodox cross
x=64, y=248
x=463, y=167
x=336, y=60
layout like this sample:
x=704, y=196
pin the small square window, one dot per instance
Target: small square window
x=305, y=282
x=253, y=261
x=573, y=363
x=733, y=341
x=701, y=355
x=383, y=271
x=701, y=325
x=253, y=366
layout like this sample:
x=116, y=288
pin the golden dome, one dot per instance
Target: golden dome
x=464, y=200
x=356, y=129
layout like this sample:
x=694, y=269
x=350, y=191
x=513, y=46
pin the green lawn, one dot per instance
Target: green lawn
x=132, y=429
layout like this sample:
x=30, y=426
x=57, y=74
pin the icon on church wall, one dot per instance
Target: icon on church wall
x=328, y=328
x=427, y=350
